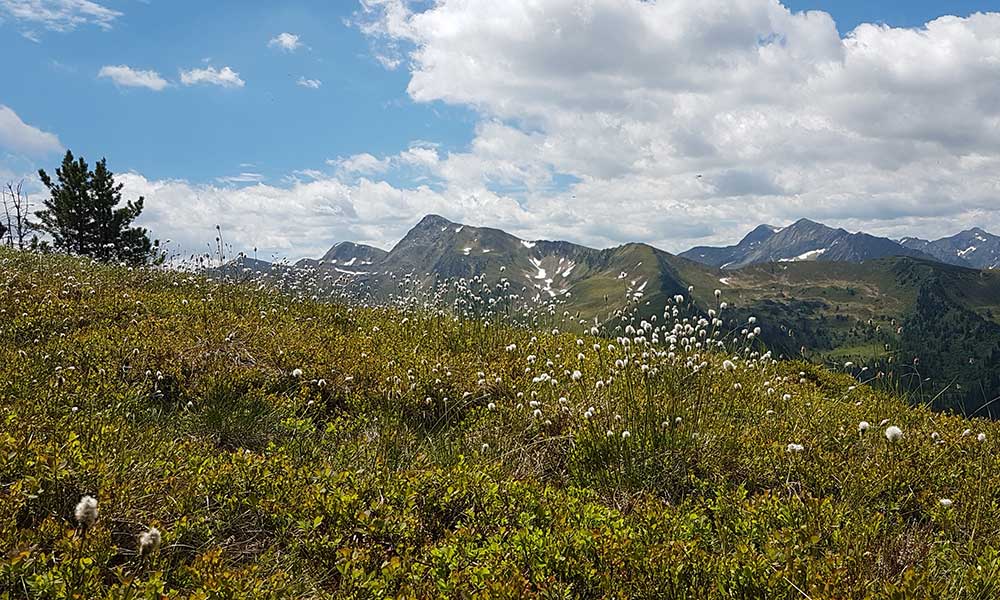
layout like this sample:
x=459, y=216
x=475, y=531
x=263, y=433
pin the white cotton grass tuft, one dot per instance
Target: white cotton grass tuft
x=864, y=426
x=981, y=437
x=945, y=502
x=794, y=448
x=149, y=541
x=893, y=433
x=86, y=511
x=297, y=373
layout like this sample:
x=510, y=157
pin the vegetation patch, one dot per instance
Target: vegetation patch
x=167, y=435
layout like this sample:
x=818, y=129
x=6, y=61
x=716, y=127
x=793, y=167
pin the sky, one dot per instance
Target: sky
x=295, y=125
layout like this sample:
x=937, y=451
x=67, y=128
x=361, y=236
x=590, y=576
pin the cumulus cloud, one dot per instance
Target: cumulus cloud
x=244, y=177
x=674, y=123
x=360, y=164
x=303, y=219
x=224, y=77
x=126, y=76
x=313, y=84
x=289, y=42
x=20, y=138
x=779, y=115
x=59, y=15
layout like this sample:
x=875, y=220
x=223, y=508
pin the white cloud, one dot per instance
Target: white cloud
x=313, y=84
x=245, y=177
x=21, y=138
x=303, y=219
x=360, y=164
x=224, y=77
x=126, y=76
x=674, y=123
x=60, y=15
x=779, y=115
x=289, y=42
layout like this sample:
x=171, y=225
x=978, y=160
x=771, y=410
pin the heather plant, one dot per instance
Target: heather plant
x=169, y=434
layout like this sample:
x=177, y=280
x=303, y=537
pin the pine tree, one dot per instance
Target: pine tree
x=83, y=216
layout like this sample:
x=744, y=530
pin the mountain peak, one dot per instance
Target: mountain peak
x=978, y=231
x=803, y=222
x=433, y=220
x=803, y=240
x=346, y=251
x=759, y=234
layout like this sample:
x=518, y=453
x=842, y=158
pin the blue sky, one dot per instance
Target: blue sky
x=271, y=126
x=913, y=13
x=496, y=143
x=202, y=133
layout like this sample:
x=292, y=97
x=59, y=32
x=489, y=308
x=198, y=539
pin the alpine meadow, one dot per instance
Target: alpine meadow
x=499, y=299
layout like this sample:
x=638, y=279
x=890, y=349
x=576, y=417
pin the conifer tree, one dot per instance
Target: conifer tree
x=84, y=215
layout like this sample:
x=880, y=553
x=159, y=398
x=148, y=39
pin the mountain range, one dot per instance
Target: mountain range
x=819, y=292
x=803, y=240
x=461, y=250
x=972, y=248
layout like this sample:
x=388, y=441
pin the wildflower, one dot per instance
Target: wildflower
x=863, y=427
x=86, y=511
x=538, y=413
x=794, y=448
x=727, y=365
x=492, y=406
x=297, y=373
x=610, y=433
x=945, y=502
x=485, y=448
x=967, y=433
x=626, y=435
x=893, y=433
x=981, y=437
x=149, y=541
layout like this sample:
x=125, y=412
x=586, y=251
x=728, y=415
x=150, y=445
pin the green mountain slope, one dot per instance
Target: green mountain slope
x=290, y=448
x=867, y=312
x=934, y=327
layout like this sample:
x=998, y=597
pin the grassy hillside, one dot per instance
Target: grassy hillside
x=287, y=448
x=934, y=329
x=828, y=312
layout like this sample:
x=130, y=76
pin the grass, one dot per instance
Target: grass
x=290, y=448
